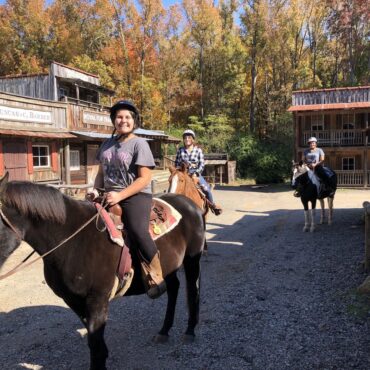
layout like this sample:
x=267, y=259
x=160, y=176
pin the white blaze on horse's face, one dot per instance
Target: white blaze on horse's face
x=174, y=181
x=298, y=171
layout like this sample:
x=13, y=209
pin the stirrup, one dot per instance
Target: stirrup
x=216, y=210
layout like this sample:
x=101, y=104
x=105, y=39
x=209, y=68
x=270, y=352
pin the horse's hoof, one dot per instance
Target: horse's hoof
x=312, y=230
x=160, y=338
x=188, y=339
x=305, y=229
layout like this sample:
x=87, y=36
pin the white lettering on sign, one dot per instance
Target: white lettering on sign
x=96, y=119
x=25, y=115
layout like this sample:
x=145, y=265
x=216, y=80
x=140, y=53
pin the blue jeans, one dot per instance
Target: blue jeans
x=206, y=188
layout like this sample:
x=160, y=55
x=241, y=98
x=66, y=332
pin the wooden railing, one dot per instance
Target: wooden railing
x=335, y=137
x=331, y=96
x=350, y=178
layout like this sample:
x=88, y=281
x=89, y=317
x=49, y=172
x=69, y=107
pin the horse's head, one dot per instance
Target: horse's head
x=178, y=179
x=298, y=169
x=9, y=229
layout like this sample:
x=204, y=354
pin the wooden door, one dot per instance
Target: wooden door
x=15, y=160
x=91, y=163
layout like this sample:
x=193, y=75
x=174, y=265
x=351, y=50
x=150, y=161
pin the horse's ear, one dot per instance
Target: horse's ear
x=172, y=169
x=184, y=167
x=3, y=182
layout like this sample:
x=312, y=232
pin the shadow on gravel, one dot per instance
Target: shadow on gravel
x=39, y=337
x=253, y=307
x=269, y=188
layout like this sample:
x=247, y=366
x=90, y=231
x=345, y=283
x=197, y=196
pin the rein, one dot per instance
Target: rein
x=23, y=265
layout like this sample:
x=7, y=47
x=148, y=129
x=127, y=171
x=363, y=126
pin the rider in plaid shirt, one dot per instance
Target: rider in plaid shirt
x=193, y=156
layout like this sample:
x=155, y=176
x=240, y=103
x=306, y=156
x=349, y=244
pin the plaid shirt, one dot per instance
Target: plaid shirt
x=195, y=159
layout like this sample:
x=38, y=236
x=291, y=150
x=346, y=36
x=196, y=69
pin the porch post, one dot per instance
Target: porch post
x=366, y=149
x=365, y=168
x=67, y=163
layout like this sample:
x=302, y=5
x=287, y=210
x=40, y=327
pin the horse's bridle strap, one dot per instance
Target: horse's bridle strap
x=17, y=232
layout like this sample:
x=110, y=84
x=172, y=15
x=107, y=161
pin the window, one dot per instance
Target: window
x=74, y=157
x=317, y=123
x=348, y=164
x=63, y=92
x=41, y=156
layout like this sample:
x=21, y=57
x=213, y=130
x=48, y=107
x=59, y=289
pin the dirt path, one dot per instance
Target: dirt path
x=273, y=297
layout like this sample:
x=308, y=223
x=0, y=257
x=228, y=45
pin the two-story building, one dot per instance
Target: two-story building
x=339, y=119
x=51, y=125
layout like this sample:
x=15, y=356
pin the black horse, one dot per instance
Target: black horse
x=82, y=271
x=310, y=189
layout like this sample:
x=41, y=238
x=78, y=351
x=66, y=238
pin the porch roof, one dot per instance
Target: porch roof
x=333, y=106
x=41, y=134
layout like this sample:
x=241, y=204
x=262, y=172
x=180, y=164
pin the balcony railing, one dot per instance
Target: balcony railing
x=351, y=178
x=332, y=96
x=336, y=137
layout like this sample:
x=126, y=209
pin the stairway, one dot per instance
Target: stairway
x=160, y=181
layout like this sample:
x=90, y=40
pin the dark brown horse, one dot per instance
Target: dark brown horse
x=82, y=271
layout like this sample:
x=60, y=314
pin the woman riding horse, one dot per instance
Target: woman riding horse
x=125, y=173
x=314, y=158
x=192, y=156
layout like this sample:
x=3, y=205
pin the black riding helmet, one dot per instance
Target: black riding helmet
x=125, y=104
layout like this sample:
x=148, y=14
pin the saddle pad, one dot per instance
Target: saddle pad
x=163, y=218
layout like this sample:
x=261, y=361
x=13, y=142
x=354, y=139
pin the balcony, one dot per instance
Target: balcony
x=360, y=94
x=336, y=137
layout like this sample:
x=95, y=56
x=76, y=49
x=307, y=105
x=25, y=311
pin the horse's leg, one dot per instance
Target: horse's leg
x=322, y=214
x=205, y=248
x=173, y=284
x=96, y=317
x=192, y=274
x=313, y=212
x=330, y=206
x=306, y=215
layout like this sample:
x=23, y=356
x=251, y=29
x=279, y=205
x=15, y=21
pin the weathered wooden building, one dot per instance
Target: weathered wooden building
x=339, y=119
x=52, y=124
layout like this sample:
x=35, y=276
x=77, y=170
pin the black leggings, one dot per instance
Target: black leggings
x=136, y=217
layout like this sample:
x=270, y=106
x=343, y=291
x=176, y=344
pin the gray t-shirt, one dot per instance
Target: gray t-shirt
x=120, y=160
x=313, y=157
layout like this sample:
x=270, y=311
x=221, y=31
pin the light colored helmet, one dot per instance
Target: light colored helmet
x=312, y=139
x=188, y=132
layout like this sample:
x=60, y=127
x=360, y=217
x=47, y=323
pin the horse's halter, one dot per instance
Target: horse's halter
x=6, y=220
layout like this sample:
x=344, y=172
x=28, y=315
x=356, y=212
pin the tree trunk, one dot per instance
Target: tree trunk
x=124, y=48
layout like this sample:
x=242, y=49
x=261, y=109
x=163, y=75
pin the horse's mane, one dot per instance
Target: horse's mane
x=35, y=200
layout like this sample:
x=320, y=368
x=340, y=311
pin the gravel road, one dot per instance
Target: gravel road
x=272, y=297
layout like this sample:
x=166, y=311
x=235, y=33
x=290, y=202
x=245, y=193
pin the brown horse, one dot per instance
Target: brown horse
x=82, y=272
x=182, y=183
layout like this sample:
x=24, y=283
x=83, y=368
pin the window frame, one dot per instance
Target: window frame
x=348, y=164
x=74, y=167
x=317, y=122
x=48, y=156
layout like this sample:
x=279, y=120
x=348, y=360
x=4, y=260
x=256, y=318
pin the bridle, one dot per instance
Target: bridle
x=22, y=264
x=6, y=220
